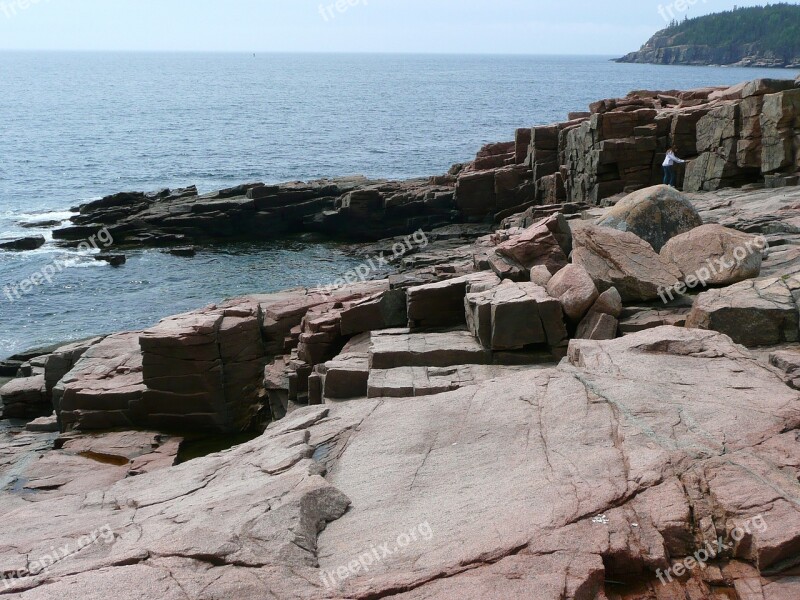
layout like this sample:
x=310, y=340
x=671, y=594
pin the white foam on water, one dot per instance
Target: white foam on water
x=79, y=262
x=32, y=218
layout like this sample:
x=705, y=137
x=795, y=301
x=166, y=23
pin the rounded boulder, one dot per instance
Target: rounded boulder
x=656, y=215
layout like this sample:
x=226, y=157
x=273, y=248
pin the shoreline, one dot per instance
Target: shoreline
x=522, y=368
x=504, y=179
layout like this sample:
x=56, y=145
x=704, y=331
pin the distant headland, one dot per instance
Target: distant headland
x=760, y=36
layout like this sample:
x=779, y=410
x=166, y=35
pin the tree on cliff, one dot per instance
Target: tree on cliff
x=771, y=31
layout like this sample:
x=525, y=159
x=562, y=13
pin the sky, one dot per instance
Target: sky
x=421, y=26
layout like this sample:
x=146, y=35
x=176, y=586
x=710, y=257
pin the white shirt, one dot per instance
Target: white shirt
x=672, y=159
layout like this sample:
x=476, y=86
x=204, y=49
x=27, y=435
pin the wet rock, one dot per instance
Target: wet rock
x=655, y=214
x=185, y=252
x=115, y=260
x=623, y=261
x=22, y=244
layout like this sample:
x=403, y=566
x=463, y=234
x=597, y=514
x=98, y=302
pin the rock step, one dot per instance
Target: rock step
x=398, y=348
x=407, y=382
x=395, y=348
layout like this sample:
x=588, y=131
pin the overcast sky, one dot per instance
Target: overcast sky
x=453, y=26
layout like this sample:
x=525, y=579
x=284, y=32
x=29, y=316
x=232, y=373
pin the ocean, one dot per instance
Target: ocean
x=78, y=126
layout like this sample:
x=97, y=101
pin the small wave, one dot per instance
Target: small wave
x=45, y=217
x=80, y=263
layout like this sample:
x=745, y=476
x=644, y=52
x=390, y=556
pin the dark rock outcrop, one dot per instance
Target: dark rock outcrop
x=21, y=244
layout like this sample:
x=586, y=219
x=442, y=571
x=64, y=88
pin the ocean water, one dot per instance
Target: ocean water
x=77, y=126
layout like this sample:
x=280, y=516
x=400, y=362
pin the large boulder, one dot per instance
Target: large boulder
x=575, y=290
x=624, y=261
x=514, y=315
x=602, y=322
x=608, y=303
x=760, y=312
x=713, y=255
x=547, y=243
x=655, y=214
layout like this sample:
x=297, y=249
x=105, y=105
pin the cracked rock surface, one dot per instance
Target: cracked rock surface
x=577, y=481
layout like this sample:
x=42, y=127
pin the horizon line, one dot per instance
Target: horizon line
x=283, y=52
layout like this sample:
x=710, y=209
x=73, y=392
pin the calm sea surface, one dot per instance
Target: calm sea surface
x=78, y=126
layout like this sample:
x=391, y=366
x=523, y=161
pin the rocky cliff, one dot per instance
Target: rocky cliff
x=574, y=403
x=747, y=37
x=731, y=137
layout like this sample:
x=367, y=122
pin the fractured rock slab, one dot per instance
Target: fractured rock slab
x=546, y=243
x=624, y=261
x=514, y=315
x=400, y=348
x=442, y=304
x=346, y=375
x=408, y=382
x=754, y=313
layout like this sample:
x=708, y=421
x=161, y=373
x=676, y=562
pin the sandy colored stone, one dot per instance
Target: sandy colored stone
x=623, y=261
x=715, y=254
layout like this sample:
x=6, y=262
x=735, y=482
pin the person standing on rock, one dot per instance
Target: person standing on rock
x=669, y=167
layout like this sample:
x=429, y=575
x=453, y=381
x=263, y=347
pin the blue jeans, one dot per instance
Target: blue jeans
x=669, y=176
